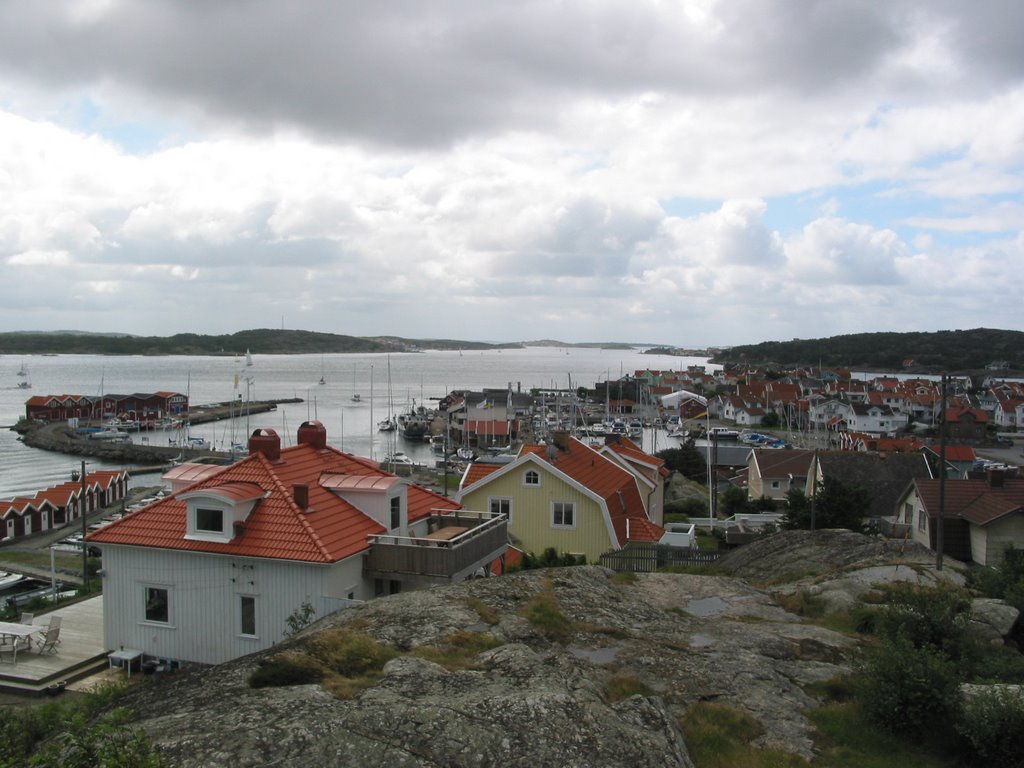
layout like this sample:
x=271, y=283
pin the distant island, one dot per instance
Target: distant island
x=265, y=341
x=939, y=351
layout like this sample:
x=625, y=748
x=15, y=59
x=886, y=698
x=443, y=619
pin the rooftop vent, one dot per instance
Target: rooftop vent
x=267, y=442
x=313, y=434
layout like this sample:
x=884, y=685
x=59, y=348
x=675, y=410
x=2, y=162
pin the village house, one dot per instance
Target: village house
x=982, y=516
x=771, y=472
x=883, y=476
x=214, y=570
x=570, y=496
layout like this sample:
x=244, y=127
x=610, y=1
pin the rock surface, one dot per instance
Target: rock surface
x=533, y=700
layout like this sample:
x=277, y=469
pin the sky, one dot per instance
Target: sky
x=688, y=173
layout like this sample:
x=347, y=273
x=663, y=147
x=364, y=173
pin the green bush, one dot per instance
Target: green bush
x=349, y=654
x=929, y=617
x=286, y=669
x=909, y=690
x=992, y=723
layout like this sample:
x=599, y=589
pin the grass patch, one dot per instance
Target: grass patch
x=802, y=603
x=707, y=542
x=718, y=736
x=625, y=577
x=458, y=650
x=344, y=662
x=847, y=740
x=619, y=687
x=483, y=610
x=544, y=613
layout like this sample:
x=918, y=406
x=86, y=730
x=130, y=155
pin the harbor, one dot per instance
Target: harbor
x=293, y=381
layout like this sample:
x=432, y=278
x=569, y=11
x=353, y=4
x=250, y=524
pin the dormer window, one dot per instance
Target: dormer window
x=209, y=520
x=215, y=514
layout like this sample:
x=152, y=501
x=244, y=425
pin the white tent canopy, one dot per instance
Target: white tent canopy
x=673, y=400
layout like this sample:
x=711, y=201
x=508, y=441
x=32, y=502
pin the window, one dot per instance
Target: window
x=921, y=520
x=563, y=514
x=396, y=512
x=908, y=512
x=248, y=606
x=157, y=604
x=776, y=483
x=209, y=520
x=531, y=477
x=501, y=507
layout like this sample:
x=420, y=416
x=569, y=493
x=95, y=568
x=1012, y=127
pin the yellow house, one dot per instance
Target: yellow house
x=569, y=496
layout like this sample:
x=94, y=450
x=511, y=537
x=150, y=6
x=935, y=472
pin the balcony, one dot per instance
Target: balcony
x=455, y=545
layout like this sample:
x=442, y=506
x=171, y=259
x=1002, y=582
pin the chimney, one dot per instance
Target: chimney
x=300, y=492
x=313, y=434
x=561, y=439
x=267, y=442
x=995, y=478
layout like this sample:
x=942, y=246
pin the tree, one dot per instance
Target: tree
x=835, y=506
x=686, y=460
x=733, y=501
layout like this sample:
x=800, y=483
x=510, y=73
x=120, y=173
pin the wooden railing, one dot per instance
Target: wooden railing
x=484, y=539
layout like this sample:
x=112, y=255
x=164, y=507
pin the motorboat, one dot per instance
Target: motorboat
x=8, y=579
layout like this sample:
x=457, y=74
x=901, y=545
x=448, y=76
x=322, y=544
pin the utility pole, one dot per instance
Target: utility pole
x=83, y=504
x=941, y=522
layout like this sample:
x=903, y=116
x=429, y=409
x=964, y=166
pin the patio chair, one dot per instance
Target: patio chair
x=8, y=647
x=55, y=624
x=26, y=618
x=48, y=643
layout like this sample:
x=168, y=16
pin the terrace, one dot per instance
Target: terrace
x=455, y=545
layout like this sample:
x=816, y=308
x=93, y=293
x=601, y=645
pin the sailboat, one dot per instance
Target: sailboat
x=23, y=373
x=322, y=379
x=389, y=424
x=248, y=357
x=356, y=397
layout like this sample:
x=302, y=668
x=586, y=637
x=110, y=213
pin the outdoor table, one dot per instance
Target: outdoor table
x=126, y=656
x=10, y=629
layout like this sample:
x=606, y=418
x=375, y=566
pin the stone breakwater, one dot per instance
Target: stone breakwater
x=62, y=439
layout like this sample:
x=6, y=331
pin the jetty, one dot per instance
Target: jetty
x=61, y=438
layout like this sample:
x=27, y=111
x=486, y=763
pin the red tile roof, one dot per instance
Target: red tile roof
x=974, y=500
x=329, y=530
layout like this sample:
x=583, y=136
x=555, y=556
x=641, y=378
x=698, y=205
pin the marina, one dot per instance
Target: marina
x=353, y=422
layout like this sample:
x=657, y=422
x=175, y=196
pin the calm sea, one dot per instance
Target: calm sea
x=351, y=425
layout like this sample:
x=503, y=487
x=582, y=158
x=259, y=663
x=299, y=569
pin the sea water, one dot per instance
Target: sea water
x=384, y=382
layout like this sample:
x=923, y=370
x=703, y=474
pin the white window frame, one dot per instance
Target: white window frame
x=241, y=616
x=501, y=501
x=571, y=505
x=145, y=598
x=531, y=474
x=209, y=509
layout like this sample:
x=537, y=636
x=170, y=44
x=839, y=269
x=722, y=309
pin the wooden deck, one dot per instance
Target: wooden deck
x=80, y=652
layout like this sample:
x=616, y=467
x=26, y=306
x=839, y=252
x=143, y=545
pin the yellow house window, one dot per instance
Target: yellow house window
x=563, y=514
x=531, y=477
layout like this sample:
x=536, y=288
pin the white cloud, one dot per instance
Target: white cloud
x=399, y=169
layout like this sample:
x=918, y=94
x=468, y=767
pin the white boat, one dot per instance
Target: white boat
x=398, y=458
x=23, y=371
x=24, y=385
x=9, y=579
x=248, y=358
x=357, y=398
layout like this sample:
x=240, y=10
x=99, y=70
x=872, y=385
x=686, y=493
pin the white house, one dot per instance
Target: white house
x=214, y=570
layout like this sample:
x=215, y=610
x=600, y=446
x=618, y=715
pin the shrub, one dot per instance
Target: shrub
x=935, y=617
x=909, y=690
x=286, y=669
x=349, y=654
x=992, y=724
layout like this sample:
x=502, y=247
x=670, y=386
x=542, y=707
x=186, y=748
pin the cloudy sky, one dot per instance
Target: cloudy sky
x=692, y=173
